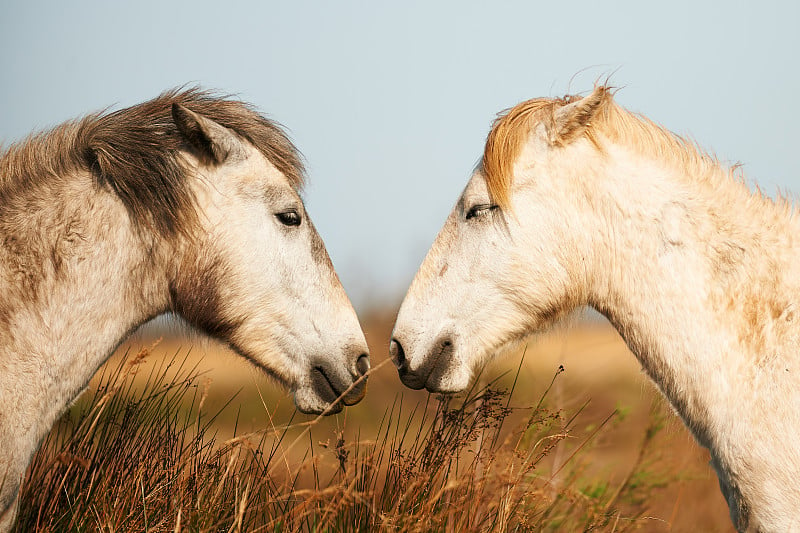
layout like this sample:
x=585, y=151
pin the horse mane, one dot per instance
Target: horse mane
x=512, y=127
x=504, y=143
x=135, y=152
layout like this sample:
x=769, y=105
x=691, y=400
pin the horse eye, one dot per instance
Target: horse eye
x=289, y=218
x=480, y=209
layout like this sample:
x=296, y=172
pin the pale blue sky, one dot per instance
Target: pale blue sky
x=390, y=103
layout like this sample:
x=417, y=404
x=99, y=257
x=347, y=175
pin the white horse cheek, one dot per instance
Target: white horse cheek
x=297, y=313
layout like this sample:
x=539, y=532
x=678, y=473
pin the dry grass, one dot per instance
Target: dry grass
x=153, y=447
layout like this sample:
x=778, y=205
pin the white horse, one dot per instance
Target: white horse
x=578, y=202
x=187, y=203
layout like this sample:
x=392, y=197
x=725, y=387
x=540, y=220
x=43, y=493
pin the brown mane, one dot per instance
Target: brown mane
x=134, y=152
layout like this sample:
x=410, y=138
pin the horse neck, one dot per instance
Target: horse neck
x=675, y=253
x=74, y=280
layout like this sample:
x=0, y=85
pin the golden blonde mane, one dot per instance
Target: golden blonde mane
x=511, y=129
x=504, y=143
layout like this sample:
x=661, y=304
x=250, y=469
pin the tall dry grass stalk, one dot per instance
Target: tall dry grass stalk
x=148, y=459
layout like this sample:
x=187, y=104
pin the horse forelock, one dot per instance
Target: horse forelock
x=135, y=152
x=504, y=143
x=512, y=128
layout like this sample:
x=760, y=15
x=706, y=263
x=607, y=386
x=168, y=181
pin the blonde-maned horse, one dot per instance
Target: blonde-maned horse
x=578, y=201
x=187, y=203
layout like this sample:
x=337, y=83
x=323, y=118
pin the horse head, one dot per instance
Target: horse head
x=514, y=254
x=252, y=270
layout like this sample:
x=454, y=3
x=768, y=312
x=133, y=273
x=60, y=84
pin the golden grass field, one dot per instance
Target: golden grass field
x=669, y=485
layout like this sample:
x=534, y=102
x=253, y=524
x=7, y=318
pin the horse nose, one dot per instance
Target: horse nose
x=411, y=379
x=362, y=364
x=336, y=383
x=430, y=372
x=359, y=387
x=398, y=355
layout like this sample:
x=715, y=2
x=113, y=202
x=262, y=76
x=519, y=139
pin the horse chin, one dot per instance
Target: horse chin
x=443, y=389
x=452, y=383
x=309, y=402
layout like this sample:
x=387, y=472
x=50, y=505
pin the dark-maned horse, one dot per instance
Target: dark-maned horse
x=187, y=203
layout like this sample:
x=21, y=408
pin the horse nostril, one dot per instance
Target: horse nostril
x=362, y=364
x=397, y=353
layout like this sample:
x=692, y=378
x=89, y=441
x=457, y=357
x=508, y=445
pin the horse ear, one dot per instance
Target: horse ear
x=571, y=120
x=215, y=142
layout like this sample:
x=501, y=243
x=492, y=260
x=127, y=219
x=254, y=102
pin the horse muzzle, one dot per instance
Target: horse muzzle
x=432, y=373
x=336, y=387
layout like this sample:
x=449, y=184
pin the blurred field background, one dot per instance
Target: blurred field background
x=625, y=455
x=390, y=104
